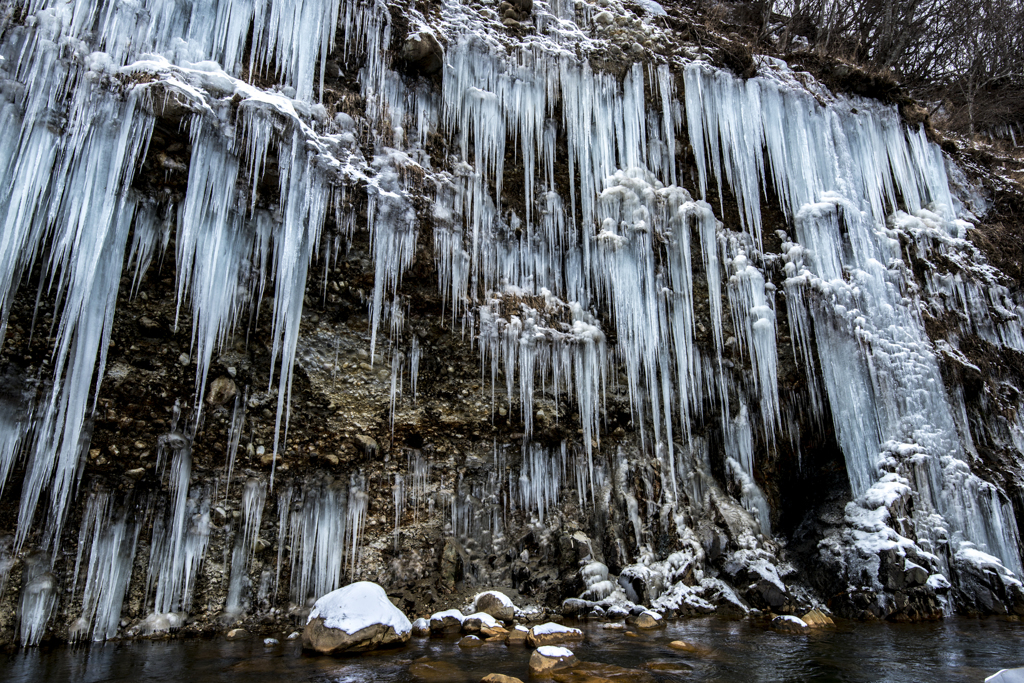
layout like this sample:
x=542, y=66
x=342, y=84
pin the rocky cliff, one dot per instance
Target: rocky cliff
x=574, y=300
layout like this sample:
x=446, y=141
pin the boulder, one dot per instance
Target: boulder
x=817, y=619
x=547, y=659
x=355, y=618
x=517, y=636
x=446, y=621
x=575, y=607
x=552, y=634
x=499, y=678
x=237, y=634
x=496, y=604
x=494, y=632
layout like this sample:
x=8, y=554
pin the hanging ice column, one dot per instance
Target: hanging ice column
x=77, y=187
x=838, y=170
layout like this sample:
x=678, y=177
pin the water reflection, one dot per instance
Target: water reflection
x=954, y=650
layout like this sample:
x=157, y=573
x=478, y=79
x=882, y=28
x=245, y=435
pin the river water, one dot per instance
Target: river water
x=954, y=650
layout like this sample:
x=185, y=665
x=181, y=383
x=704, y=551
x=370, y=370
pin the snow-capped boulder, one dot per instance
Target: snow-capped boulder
x=648, y=620
x=448, y=620
x=478, y=620
x=552, y=634
x=355, y=618
x=787, y=623
x=495, y=603
x=421, y=627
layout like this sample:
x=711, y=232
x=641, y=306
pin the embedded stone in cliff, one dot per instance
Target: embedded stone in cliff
x=552, y=634
x=524, y=6
x=496, y=604
x=448, y=620
x=222, y=390
x=355, y=618
x=914, y=574
x=548, y=659
x=422, y=53
x=366, y=443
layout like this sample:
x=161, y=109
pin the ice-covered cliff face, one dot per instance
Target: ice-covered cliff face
x=467, y=294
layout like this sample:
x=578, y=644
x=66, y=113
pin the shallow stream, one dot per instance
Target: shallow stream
x=954, y=650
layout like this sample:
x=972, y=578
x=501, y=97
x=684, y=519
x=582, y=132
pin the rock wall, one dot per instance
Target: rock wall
x=535, y=296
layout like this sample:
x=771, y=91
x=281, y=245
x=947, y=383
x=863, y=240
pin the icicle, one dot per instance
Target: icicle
x=235, y=428
x=253, y=497
x=180, y=536
x=38, y=598
x=111, y=536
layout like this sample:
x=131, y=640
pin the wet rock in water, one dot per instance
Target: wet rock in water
x=294, y=635
x=421, y=627
x=446, y=621
x=614, y=626
x=648, y=620
x=817, y=619
x=355, y=618
x=221, y=391
x=547, y=659
x=271, y=642
x=686, y=646
x=552, y=634
x=435, y=671
x=595, y=672
x=470, y=642
x=517, y=636
x=674, y=666
x=787, y=623
x=496, y=604
x=500, y=678
x=237, y=634
x=491, y=632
